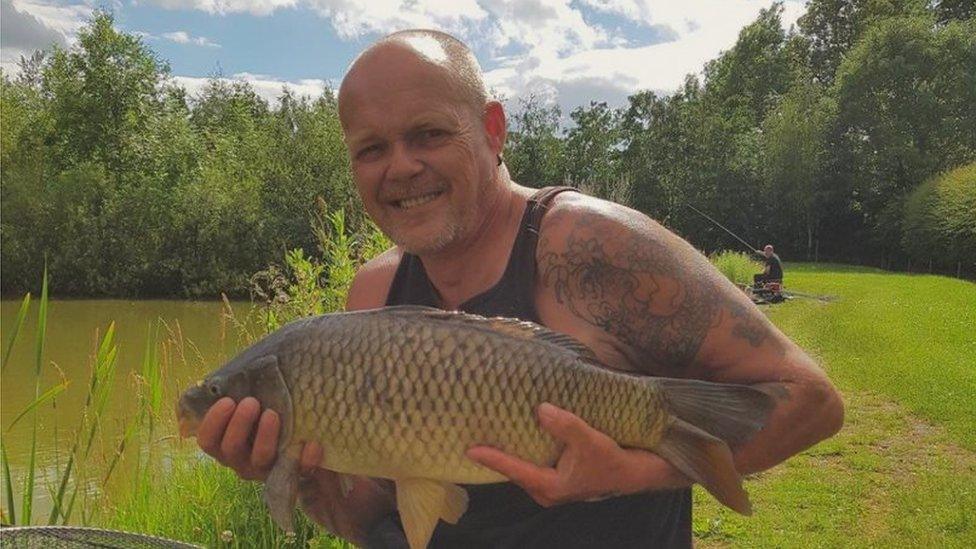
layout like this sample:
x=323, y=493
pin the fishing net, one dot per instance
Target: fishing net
x=70, y=537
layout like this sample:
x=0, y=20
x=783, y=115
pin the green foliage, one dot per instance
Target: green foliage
x=906, y=96
x=794, y=146
x=736, y=266
x=534, y=151
x=131, y=188
x=940, y=220
x=308, y=285
x=204, y=503
x=591, y=147
x=832, y=27
x=811, y=139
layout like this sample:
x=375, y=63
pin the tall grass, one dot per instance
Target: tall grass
x=170, y=490
x=72, y=479
x=736, y=266
x=185, y=496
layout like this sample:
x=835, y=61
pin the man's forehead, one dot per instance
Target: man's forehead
x=374, y=120
x=378, y=87
x=398, y=59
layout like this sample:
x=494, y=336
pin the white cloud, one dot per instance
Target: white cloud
x=65, y=19
x=552, y=47
x=223, y=7
x=268, y=87
x=26, y=26
x=182, y=37
x=24, y=31
x=609, y=72
x=354, y=19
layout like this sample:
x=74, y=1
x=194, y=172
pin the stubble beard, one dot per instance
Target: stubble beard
x=453, y=230
x=447, y=235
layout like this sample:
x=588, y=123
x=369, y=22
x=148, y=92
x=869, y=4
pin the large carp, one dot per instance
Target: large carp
x=402, y=392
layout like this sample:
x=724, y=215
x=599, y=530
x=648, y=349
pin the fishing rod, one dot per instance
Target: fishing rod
x=752, y=249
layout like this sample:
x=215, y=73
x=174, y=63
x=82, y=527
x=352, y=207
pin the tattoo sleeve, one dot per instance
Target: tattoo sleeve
x=635, y=294
x=642, y=291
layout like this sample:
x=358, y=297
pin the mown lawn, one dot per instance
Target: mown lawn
x=902, y=472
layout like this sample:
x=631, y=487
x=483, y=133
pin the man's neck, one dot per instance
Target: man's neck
x=475, y=264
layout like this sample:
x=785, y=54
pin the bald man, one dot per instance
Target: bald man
x=425, y=144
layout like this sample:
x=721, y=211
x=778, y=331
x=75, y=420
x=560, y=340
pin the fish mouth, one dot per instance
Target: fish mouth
x=405, y=204
x=188, y=427
x=188, y=421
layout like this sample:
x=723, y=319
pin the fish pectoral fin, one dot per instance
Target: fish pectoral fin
x=706, y=460
x=281, y=491
x=421, y=502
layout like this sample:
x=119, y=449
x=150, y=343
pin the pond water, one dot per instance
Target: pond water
x=194, y=338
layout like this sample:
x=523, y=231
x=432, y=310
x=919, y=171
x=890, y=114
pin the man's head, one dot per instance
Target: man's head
x=768, y=250
x=423, y=139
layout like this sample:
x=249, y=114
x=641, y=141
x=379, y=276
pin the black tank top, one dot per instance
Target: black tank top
x=503, y=515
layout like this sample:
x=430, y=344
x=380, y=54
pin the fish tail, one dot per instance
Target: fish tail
x=707, y=417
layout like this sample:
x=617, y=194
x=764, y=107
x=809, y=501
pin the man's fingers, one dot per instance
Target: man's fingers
x=211, y=430
x=265, y=441
x=521, y=472
x=565, y=426
x=235, y=447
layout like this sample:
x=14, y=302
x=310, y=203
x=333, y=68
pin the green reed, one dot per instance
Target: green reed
x=736, y=266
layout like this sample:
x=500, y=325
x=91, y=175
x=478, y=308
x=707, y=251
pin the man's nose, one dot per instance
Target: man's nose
x=404, y=163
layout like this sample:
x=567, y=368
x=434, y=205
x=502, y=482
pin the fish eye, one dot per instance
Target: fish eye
x=214, y=389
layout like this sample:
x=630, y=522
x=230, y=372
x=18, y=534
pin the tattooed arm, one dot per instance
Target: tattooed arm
x=646, y=301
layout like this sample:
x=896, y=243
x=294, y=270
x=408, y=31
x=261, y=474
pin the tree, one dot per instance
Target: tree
x=746, y=80
x=592, y=146
x=906, y=95
x=104, y=92
x=834, y=26
x=794, y=147
x=534, y=151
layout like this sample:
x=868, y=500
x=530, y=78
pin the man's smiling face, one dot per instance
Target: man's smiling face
x=418, y=150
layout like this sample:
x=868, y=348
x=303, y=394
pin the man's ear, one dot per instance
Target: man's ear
x=495, y=126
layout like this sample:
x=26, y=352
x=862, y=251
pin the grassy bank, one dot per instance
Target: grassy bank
x=902, y=472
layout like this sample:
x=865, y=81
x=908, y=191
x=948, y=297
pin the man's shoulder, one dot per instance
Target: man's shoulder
x=575, y=207
x=372, y=282
x=601, y=219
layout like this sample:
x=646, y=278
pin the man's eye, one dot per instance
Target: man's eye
x=431, y=135
x=369, y=153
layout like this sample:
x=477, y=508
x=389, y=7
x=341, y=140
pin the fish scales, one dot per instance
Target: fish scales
x=413, y=397
x=404, y=392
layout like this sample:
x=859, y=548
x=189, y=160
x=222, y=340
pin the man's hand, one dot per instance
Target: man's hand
x=226, y=434
x=226, y=430
x=592, y=466
x=347, y=511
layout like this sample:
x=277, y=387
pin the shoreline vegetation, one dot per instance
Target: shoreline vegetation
x=170, y=489
x=906, y=451
x=846, y=138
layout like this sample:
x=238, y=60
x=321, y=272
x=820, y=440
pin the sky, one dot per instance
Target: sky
x=564, y=51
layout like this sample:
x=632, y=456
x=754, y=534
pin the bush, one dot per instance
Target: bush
x=939, y=223
x=736, y=266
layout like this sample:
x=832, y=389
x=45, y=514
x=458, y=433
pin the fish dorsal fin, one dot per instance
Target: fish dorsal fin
x=513, y=327
x=422, y=502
